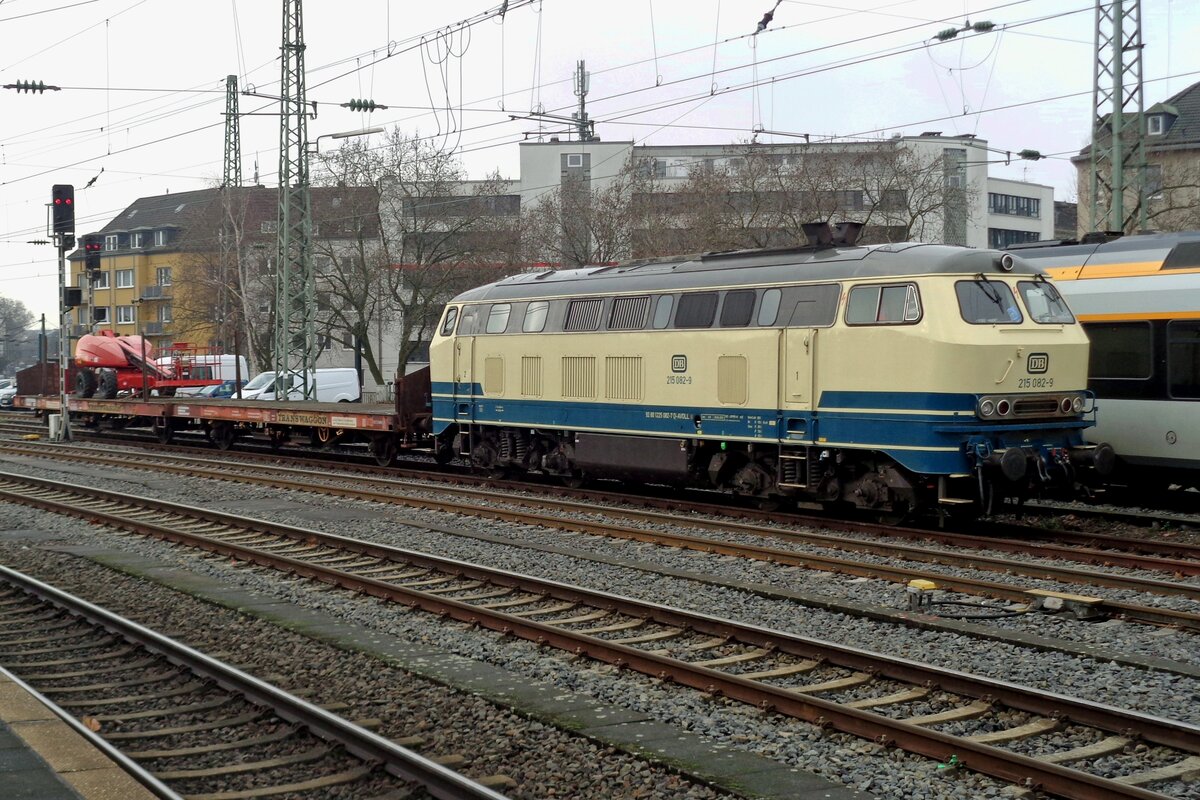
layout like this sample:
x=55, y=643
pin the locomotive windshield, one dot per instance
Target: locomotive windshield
x=984, y=302
x=1044, y=302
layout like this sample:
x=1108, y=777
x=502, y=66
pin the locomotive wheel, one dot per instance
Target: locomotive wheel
x=107, y=388
x=384, y=449
x=222, y=435
x=85, y=383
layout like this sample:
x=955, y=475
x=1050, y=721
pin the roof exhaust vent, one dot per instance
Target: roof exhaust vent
x=847, y=233
x=818, y=234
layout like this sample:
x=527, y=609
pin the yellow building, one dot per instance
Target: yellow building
x=143, y=252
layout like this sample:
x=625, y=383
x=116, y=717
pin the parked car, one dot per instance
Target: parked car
x=333, y=385
x=7, y=393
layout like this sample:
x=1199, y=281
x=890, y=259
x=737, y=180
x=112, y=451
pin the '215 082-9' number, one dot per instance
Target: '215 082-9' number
x=1035, y=383
x=681, y=379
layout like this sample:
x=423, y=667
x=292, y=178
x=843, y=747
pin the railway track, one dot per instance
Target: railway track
x=959, y=719
x=646, y=525
x=187, y=725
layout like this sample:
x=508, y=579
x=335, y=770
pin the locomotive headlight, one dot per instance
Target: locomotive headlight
x=1065, y=405
x=987, y=408
x=1003, y=407
x=1077, y=404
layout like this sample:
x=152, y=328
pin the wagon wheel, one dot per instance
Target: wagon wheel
x=383, y=447
x=85, y=382
x=222, y=435
x=107, y=388
x=323, y=437
x=163, y=430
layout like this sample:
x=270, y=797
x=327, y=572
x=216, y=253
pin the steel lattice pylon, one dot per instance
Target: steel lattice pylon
x=228, y=236
x=1118, y=154
x=295, y=349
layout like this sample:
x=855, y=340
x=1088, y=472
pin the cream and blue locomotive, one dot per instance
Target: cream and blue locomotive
x=891, y=378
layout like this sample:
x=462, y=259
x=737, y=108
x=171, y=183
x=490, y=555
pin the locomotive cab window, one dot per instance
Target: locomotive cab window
x=883, y=305
x=448, y=322
x=466, y=322
x=696, y=310
x=535, y=317
x=498, y=317
x=984, y=302
x=1045, y=304
x=738, y=309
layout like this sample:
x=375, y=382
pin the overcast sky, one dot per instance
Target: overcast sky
x=143, y=85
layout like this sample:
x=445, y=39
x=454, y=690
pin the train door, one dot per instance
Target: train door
x=464, y=377
x=797, y=403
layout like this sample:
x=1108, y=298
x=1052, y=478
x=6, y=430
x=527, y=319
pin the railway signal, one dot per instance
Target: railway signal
x=92, y=245
x=63, y=208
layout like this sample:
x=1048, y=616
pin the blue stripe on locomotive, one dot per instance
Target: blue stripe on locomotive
x=930, y=443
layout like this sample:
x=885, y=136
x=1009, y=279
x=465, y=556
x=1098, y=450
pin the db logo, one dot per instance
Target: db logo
x=678, y=363
x=1037, y=363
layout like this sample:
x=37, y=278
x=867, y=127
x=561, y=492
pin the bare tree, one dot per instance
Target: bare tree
x=439, y=234
x=15, y=319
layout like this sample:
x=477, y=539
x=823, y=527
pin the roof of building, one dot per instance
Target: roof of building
x=1186, y=127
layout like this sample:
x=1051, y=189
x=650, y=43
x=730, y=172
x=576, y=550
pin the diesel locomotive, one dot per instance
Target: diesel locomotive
x=892, y=378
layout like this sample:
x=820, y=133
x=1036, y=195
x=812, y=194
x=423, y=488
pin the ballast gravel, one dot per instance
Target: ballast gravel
x=1162, y=693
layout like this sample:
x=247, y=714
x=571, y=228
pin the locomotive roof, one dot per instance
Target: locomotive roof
x=750, y=268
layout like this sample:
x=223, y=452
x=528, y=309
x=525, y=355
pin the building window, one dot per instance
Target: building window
x=1152, y=183
x=135, y=241
x=124, y=279
x=1014, y=205
x=574, y=160
x=100, y=281
x=110, y=241
x=160, y=238
x=1000, y=238
x=100, y=314
x=163, y=276
x=124, y=315
x=1154, y=125
x=164, y=312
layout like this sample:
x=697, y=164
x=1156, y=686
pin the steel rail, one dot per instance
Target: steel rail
x=981, y=757
x=399, y=761
x=1142, y=613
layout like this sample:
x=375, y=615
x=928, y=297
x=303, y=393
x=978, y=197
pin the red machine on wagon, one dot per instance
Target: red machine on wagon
x=106, y=363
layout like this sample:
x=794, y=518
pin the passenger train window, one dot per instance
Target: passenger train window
x=583, y=315
x=738, y=308
x=768, y=310
x=1044, y=302
x=662, y=311
x=1183, y=358
x=628, y=313
x=448, y=322
x=883, y=305
x=498, y=317
x=1120, y=350
x=696, y=310
x=984, y=302
x=535, y=317
x=816, y=306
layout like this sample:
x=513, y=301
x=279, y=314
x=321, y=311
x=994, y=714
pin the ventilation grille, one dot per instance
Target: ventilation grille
x=583, y=315
x=623, y=377
x=531, y=376
x=731, y=380
x=628, y=313
x=493, y=375
x=579, y=376
x=1039, y=407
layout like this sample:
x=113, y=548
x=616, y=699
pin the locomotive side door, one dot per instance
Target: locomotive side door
x=799, y=360
x=464, y=378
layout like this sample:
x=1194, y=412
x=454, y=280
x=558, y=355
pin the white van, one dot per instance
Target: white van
x=336, y=385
